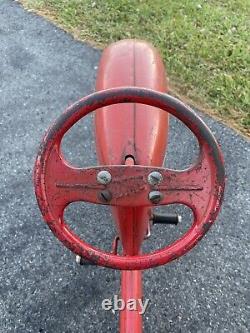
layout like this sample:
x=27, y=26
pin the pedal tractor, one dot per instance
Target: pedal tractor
x=131, y=126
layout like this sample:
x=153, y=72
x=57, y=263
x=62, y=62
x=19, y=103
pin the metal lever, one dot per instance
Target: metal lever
x=166, y=219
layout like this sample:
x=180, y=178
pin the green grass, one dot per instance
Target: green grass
x=205, y=44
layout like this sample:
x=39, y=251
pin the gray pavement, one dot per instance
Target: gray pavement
x=42, y=70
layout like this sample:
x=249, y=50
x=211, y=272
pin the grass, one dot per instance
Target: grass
x=205, y=44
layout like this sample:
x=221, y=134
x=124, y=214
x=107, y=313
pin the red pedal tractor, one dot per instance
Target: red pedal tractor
x=131, y=126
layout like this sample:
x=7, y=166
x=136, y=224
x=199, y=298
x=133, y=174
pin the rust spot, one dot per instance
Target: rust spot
x=206, y=226
x=93, y=257
x=174, y=256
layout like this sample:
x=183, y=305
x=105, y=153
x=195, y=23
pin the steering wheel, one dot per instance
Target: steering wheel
x=200, y=187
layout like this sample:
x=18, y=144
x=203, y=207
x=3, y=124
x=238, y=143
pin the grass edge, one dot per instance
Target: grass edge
x=174, y=86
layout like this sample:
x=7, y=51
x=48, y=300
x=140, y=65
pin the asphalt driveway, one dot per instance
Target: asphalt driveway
x=43, y=70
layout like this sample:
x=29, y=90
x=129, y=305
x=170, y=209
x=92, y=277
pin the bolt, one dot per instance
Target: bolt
x=155, y=196
x=82, y=261
x=104, y=177
x=79, y=260
x=105, y=196
x=155, y=178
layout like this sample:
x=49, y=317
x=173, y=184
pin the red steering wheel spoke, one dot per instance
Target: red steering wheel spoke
x=191, y=187
x=200, y=187
x=64, y=184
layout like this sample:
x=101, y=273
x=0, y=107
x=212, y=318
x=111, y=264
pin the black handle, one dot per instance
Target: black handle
x=166, y=219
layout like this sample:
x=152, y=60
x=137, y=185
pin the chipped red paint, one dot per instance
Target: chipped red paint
x=200, y=187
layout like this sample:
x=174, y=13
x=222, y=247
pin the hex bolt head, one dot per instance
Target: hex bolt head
x=104, y=177
x=155, y=178
x=155, y=196
x=105, y=196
